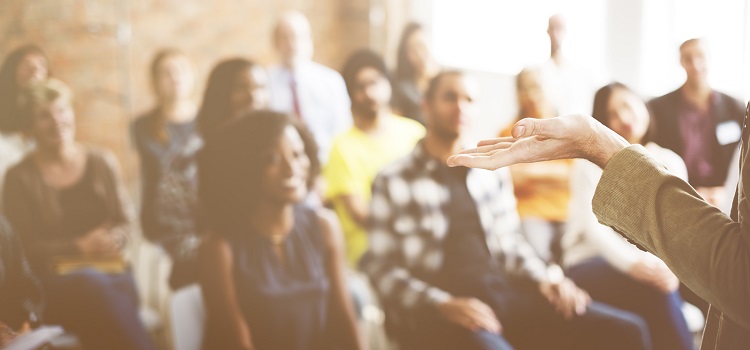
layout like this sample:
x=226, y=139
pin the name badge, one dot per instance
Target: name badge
x=728, y=133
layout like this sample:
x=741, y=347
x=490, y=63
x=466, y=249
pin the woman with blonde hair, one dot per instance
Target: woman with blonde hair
x=67, y=203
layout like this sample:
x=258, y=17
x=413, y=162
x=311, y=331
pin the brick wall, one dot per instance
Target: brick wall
x=102, y=48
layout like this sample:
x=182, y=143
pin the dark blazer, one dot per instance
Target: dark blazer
x=724, y=108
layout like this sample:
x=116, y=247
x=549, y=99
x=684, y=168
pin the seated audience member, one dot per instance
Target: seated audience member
x=700, y=124
x=66, y=202
x=415, y=66
x=447, y=257
x=167, y=141
x=314, y=93
x=23, y=66
x=377, y=138
x=21, y=293
x=541, y=189
x=235, y=87
x=272, y=273
x=600, y=260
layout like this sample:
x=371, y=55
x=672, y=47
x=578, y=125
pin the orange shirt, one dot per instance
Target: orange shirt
x=542, y=189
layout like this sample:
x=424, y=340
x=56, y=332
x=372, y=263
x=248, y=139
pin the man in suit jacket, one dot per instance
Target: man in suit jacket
x=641, y=199
x=700, y=124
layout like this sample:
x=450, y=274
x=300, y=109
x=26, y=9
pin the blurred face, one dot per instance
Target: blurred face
x=175, y=79
x=372, y=92
x=556, y=31
x=249, y=92
x=53, y=124
x=628, y=115
x=293, y=40
x=693, y=60
x=32, y=68
x=452, y=106
x=530, y=94
x=287, y=169
x=417, y=51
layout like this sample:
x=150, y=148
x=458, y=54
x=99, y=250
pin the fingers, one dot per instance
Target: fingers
x=568, y=300
x=487, y=148
x=529, y=127
x=484, y=317
x=474, y=161
x=471, y=314
x=484, y=157
x=583, y=300
x=668, y=282
x=495, y=141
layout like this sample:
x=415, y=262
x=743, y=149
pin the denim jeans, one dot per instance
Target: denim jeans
x=662, y=311
x=101, y=309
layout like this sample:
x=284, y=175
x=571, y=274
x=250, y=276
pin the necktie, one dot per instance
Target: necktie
x=295, y=97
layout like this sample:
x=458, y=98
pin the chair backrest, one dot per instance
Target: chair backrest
x=188, y=315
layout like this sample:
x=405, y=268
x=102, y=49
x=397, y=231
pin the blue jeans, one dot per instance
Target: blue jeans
x=101, y=309
x=662, y=312
x=530, y=322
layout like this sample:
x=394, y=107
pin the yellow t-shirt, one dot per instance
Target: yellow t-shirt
x=355, y=160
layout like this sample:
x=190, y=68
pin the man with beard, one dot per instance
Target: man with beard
x=377, y=138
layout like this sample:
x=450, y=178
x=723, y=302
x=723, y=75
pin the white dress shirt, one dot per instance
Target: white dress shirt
x=322, y=99
x=570, y=87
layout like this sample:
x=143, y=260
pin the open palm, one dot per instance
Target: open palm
x=537, y=140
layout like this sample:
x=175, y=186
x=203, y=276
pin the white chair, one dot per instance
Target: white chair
x=188, y=315
x=695, y=321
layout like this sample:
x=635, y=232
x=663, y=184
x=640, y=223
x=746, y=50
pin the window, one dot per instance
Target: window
x=506, y=36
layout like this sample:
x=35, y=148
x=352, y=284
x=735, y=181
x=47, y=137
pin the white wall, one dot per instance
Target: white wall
x=632, y=41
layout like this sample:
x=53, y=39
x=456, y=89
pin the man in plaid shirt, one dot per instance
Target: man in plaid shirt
x=449, y=263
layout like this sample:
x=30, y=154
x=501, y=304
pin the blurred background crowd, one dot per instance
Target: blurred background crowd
x=270, y=175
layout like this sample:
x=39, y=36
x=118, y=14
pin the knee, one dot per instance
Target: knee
x=656, y=301
x=89, y=280
x=96, y=285
x=489, y=341
x=632, y=329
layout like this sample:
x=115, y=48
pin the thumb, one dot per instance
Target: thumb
x=529, y=127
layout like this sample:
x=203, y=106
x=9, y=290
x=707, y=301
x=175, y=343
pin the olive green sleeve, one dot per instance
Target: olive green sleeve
x=707, y=250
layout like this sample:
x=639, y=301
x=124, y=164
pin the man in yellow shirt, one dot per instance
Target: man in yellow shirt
x=377, y=138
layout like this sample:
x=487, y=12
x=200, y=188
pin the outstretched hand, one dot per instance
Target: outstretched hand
x=537, y=140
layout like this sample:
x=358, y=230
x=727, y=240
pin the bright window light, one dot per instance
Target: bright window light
x=506, y=36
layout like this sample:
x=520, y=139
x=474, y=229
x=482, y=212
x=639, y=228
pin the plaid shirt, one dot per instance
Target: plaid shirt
x=410, y=222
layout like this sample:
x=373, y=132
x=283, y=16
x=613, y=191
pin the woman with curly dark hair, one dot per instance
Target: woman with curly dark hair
x=272, y=273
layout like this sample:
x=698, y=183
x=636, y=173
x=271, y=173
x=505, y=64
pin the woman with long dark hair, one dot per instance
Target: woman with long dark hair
x=23, y=66
x=602, y=262
x=272, y=273
x=235, y=87
x=415, y=67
